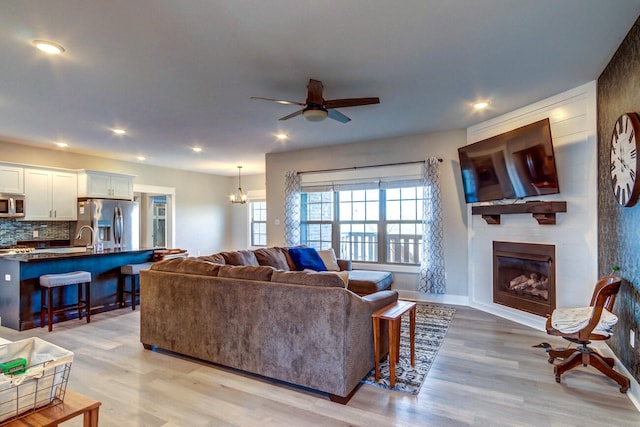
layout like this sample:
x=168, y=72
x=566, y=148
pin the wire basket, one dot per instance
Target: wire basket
x=42, y=384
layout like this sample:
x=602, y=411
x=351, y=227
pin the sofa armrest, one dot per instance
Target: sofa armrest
x=345, y=265
x=381, y=299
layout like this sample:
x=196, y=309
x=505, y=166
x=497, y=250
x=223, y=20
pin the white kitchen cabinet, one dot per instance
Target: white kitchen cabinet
x=50, y=195
x=11, y=179
x=105, y=185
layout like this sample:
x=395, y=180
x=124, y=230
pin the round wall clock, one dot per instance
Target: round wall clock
x=624, y=159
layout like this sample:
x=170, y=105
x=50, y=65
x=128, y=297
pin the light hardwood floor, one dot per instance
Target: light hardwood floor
x=486, y=374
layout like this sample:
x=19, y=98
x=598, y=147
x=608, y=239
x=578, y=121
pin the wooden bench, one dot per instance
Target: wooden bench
x=74, y=404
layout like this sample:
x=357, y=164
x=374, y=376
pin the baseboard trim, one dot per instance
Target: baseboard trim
x=527, y=319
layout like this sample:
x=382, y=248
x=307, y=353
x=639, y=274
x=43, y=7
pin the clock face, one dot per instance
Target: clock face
x=624, y=159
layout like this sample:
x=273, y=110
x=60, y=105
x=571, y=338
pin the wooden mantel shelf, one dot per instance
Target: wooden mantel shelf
x=543, y=212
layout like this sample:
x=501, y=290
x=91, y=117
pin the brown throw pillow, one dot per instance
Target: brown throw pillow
x=273, y=257
x=239, y=258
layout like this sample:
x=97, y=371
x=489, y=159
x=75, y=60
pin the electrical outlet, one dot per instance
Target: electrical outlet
x=35, y=233
x=7, y=277
x=632, y=338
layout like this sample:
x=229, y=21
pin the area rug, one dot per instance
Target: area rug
x=432, y=323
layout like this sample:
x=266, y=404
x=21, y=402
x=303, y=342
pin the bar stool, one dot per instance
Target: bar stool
x=131, y=271
x=50, y=281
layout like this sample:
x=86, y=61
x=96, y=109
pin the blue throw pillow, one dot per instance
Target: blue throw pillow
x=307, y=258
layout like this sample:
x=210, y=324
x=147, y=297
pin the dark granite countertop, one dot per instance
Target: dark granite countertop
x=49, y=255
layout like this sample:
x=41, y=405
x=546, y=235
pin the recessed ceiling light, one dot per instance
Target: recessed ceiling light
x=62, y=144
x=481, y=105
x=197, y=149
x=119, y=131
x=282, y=136
x=49, y=47
x=141, y=158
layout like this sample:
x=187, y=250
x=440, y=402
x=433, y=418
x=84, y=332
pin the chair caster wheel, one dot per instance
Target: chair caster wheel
x=623, y=389
x=558, y=379
x=551, y=359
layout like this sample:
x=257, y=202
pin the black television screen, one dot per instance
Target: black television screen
x=512, y=165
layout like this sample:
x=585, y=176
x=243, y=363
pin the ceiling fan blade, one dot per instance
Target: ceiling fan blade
x=297, y=113
x=280, y=101
x=314, y=92
x=337, y=115
x=350, y=102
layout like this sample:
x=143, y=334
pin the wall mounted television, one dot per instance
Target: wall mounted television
x=516, y=164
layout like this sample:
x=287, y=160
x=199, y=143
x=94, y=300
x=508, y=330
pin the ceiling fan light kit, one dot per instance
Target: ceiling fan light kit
x=315, y=115
x=317, y=108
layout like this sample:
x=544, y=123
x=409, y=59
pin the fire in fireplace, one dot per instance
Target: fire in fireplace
x=524, y=276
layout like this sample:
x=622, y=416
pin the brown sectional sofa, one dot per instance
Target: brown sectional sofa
x=362, y=282
x=298, y=327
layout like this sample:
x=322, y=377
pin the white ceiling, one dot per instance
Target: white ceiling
x=179, y=73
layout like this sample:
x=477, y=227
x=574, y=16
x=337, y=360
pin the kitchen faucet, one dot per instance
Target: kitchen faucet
x=93, y=235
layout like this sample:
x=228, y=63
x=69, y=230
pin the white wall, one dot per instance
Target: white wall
x=201, y=215
x=572, y=115
x=238, y=214
x=384, y=151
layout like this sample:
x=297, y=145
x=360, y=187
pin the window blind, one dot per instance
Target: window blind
x=393, y=176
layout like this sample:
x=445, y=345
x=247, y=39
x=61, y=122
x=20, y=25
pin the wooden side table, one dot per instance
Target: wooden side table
x=393, y=314
x=74, y=404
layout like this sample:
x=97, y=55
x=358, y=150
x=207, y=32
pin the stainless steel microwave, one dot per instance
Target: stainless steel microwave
x=11, y=206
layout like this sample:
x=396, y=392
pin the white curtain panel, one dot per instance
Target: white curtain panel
x=291, y=208
x=432, y=265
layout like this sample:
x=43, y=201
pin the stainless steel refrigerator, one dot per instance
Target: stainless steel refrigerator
x=116, y=223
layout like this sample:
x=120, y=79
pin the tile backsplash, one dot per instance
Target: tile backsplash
x=12, y=230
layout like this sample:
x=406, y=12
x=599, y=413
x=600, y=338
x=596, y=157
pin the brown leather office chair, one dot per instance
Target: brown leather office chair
x=594, y=326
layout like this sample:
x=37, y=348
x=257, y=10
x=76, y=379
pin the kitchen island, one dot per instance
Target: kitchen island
x=20, y=281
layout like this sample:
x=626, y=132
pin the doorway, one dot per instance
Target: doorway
x=157, y=207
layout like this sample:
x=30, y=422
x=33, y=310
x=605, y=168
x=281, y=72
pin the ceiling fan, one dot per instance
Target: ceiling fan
x=317, y=108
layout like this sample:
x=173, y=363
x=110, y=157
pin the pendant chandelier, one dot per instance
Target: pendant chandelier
x=239, y=196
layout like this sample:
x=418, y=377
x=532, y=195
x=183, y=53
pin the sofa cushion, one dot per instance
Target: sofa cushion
x=324, y=279
x=329, y=259
x=216, y=258
x=307, y=258
x=187, y=266
x=273, y=257
x=344, y=275
x=239, y=258
x=285, y=252
x=364, y=282
x=246, y=272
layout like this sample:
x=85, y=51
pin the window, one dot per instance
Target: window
x=258, y=216
x=366, y=225
x=316, y=219
x=359, y=212
x=404, y=208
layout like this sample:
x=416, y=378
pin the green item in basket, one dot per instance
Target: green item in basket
x=14, y=367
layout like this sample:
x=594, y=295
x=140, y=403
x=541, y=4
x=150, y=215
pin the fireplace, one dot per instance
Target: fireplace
x=524, y=276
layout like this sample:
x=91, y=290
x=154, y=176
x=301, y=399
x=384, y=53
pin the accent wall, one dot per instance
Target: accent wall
x=619, y=227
